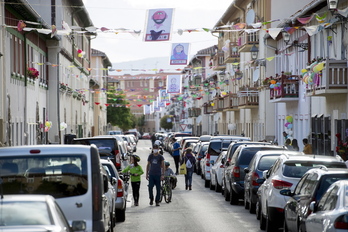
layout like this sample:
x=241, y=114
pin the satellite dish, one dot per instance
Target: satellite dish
x=250, y=17
x=256, y=74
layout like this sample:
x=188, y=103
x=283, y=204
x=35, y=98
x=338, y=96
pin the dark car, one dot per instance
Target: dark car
x=104, y=144
x=311, y=187
x=234, y=174
x=203, y=147
x=261, y=161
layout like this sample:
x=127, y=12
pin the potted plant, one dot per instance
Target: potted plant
x=32, y=73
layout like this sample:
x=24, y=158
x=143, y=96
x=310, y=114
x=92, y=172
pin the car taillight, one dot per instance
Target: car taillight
x=341, y=222
x=207, y=163
x=254, y=178
x=236, y=172
x=117, y=159
x=222, y=166
x=280, y=184
x=119, y=188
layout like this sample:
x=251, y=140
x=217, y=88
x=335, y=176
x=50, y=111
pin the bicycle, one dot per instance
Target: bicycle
x=166, y=190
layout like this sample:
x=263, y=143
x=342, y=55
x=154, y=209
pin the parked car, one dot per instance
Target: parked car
x=230, y=151
x=108, y=142
x=72, y=174
x=309, y=190
x=234, y=172
x=146, y=136
x=262, y=160
x=115, y=133
x=217, y=171
x=26, y=212
x=285, y=174
x=121, y=194
x=131, y=140
x=188, y=143
x=202, y=147
x=204, y=138
x=330, y=214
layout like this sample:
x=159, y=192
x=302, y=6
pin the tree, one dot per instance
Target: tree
x=166, y=122
x=118, y=114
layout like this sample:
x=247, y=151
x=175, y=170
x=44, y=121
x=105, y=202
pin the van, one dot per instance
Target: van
x=72, y=174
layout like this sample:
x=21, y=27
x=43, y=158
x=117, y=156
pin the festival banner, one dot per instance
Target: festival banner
x=147, y=109
x=164, y=96
x=159, y=23
x=179, y=53
x=174, y=84
x=156, y=108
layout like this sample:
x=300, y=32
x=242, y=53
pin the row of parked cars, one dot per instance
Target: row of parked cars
x=79, y=183
x=286, y=189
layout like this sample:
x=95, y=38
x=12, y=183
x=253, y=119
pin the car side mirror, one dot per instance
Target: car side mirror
x=286, y=192
x=78, y=226
x=246, y=170
x=312, y=207
x=212, y=162
x=113, y=180
x=106, y=184
x=265, y=174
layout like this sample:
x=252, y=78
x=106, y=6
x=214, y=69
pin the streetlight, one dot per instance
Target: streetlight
x=286, y=36
x=254, y=52
x=332, y=5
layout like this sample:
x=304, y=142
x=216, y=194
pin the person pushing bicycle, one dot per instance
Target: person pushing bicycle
x=169, y=173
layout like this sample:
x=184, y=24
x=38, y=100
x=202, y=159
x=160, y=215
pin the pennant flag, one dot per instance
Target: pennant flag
x=312, y=30
x=97, y=103
x=305, y=20
x=321, y=19
x=274, y=32
x=139, y=105
x=270, y=58
x=343, y=12
x=290, y=30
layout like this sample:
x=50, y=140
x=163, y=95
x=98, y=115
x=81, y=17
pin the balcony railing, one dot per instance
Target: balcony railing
x=207, y=108
x=232, y=54
x=288, y=89
x=218, y=61
x=218, y=104
x=231, y=102
x=248, y=99
x=333, y=80
x=247, y=40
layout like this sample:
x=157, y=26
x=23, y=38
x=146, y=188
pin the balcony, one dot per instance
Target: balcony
x=218, y=61
x=218, y=104
x=231, y=102
x=248, y=99
x=207, y=108
x=288, y=89
x=334, y=79
x=232, y=54
x=247, y=40
x=194, y=112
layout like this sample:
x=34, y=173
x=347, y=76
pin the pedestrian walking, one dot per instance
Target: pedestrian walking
x=190, y=161
x=294, y=145
x=288, y=144
x=155, y=173
x=176, y=154
x=307, y=147
x=135, y=171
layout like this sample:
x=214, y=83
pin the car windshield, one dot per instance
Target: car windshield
x=56, y=175
x=298, y=168
x=22, y=213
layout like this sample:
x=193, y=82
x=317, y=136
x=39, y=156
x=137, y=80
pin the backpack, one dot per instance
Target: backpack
x=188, y=163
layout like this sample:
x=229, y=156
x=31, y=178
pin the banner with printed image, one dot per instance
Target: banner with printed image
x=174, y=84
x=163, y=95
x=147, y=109
x=159, y=23
x=179, y=53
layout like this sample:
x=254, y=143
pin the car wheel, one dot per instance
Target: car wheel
x=233, y=197
x=120, y=215
x=211, y=186
x=206, y=183
x=252, y=208
x=226, y=194
x=217, y=186
x=270, y=227
x=262, y=222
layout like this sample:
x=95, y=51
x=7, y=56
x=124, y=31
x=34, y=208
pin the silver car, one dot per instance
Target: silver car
x=27, y=212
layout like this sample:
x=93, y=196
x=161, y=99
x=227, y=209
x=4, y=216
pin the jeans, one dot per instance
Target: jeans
x=176, y=161
x=155, y=181
x=135, y=188
x=188, y=178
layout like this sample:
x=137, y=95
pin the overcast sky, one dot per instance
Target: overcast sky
x=131, y=14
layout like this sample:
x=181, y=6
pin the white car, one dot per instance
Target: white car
x=331, y=215
x=284, y=174
x=217, y=171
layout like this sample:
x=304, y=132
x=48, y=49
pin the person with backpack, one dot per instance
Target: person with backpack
x=190, y=161
x=155, y=173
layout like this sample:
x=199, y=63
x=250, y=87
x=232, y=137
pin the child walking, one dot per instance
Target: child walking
x=135, y=172
x=169, y=173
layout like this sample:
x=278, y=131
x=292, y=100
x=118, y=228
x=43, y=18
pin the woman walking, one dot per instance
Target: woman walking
x=135, y=172
x=190, y=161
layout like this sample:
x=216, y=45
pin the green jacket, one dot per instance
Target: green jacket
x=134, y=170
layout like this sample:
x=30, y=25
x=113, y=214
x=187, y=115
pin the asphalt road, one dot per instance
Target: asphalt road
x=198, y=210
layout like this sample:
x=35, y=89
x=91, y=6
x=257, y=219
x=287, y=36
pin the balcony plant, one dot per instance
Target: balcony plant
x=32, y=73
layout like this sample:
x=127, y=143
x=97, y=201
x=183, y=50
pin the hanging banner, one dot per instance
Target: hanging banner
x=164, y=96
x=147, y=109
x=174, y=84
x=159, y=23
x=156, y=108
x=179, y=53
x=159, y=102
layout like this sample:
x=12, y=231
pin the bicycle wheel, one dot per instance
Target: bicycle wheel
x=168, y=194
x=162, y=193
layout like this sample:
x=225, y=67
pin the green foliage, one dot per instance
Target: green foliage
x=165, y=124
x=119, y=116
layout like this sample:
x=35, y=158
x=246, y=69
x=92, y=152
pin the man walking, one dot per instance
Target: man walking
x=176, y=155
x=155, y=173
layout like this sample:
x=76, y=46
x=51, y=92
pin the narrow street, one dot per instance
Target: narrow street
x=198, y=210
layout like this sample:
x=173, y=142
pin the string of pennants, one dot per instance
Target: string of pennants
x=67, y=29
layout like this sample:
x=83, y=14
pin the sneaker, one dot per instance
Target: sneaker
x=151, y=202
x=136, y=204
x=157, y=204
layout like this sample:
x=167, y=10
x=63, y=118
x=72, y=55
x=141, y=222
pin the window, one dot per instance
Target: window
x=331, y=199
